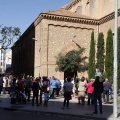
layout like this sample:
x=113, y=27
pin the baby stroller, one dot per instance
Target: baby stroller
x=17, y=97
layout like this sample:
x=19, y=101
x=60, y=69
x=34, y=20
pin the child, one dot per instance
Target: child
x=46, y=98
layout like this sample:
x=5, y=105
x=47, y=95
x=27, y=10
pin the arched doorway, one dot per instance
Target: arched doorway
x=69, y=74
x=66, y=49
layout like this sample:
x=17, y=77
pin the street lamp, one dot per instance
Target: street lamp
x=34, y=39
x=115, y=108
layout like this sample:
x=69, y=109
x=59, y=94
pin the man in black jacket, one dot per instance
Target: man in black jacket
x=35, y=88
x=98, y=89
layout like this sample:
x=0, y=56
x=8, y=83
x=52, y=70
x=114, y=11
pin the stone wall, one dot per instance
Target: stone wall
x=108, y=25
x=94, y=8
x=56, y=38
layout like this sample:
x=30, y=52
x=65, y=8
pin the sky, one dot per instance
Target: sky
x=21, y=13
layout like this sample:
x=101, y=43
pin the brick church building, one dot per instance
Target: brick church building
x=60, y=31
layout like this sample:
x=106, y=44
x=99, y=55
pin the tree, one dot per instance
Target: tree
x=109, y=56
x=119, y=57
x=7, y=35
x=91, y=64
x=100, y=52
x=72, y=62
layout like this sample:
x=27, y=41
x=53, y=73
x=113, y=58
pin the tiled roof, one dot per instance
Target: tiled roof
x=63, y=12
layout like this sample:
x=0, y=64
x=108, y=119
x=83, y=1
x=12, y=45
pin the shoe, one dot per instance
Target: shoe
x=0, y=101
x=94, y=112
x=105, y=103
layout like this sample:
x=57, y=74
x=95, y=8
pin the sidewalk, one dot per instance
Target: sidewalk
x=54, y=107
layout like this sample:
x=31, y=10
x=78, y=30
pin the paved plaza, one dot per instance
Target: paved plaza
x=54, y=108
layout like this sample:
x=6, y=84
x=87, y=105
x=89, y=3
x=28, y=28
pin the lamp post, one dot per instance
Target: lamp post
x=115, y=108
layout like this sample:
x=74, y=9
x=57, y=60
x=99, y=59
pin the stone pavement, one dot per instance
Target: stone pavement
x=54, y=108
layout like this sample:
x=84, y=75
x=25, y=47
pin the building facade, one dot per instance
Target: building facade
x=8, y=59
x=60, y=31
x=2, y=60
x=5, y=60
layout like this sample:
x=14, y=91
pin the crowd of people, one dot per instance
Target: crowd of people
x=21, y=89
x=24, y=86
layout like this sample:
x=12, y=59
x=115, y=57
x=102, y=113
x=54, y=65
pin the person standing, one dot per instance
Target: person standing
x=20, y=85
x=58, y=87
x=81, y=90
x=28, y=85
x=98, y=89
x=1, y=84
x=68, y=86
x=107, y=87
x=44, y=86
x=13, y=84
x=4, y=85
x=46, y=98
x=53, y=82
x=35, y=89
x=10, y=78
x=90, y=90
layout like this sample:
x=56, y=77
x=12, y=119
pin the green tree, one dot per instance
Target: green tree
x=109, y=56
x=72, y=62
x=100, y=52
x=119, y=57
x=91, y=64
x=8, y=34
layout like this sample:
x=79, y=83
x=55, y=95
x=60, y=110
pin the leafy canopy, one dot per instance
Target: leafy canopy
x=7, y=35
x=73, y=61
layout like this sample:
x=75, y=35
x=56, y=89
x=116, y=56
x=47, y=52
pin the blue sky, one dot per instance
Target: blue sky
x=21, y=13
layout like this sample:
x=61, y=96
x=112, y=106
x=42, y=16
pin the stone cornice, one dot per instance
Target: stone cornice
x=71, y=27
x=63, y=18
x=76, y=19
x=38, y=20
x=66, y=19
x=108, y=17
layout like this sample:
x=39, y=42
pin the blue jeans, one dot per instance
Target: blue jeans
x=97, y=96
x=106, y=95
